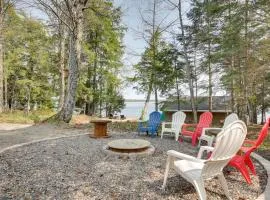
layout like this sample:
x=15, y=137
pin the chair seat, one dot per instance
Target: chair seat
x=189, y=133
x=168, y=130
x=147, y=128
x=143, y=129
x=188, y=169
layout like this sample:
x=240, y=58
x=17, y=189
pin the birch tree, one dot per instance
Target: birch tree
x=70, y=13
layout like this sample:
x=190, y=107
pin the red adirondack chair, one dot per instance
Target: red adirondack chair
x=241, y=161
x=204, y=122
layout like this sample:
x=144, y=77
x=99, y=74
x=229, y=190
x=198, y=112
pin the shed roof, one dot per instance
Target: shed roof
x=220, y=104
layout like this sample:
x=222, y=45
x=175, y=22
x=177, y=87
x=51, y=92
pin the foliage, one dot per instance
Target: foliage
x=28, y=62
x=163, y=73
x=100, y=84
x=32, y=59
x=231, y=39
x=225, y=47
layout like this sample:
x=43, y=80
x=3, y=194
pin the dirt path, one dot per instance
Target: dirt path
x=14, y=134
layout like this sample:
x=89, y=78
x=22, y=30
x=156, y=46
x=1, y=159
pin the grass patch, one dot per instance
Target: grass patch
x=21, y=117
x=124, y=126
x=253, y=133
x=264, y=149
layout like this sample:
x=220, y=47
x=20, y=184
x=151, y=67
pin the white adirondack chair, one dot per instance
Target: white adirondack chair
x=196, y=170
x=175, y=127
x=210, y=139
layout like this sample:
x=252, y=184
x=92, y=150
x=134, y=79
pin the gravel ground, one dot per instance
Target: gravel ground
x=77, y=168
x=17, y=135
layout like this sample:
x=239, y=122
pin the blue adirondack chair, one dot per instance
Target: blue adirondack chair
x=152, y=124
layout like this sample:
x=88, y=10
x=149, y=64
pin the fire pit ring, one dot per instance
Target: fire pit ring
x=129, y=148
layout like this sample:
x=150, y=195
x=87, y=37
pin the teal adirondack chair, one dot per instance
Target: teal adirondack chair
x=152, y=124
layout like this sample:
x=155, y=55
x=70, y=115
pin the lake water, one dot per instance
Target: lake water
x=134, y=109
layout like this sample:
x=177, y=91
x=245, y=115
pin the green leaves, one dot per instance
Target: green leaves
x=28, y=63
x=99, y=83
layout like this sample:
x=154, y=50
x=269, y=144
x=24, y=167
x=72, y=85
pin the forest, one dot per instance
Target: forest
x=38, y=70
x=74, y=58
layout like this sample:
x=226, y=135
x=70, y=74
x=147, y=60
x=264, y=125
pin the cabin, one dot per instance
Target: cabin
x=221, y=108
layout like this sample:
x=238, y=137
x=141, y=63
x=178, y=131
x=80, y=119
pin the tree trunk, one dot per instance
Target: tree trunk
x=232, y=86
x=195, y=77
x=232, y=69
x=177, y=87
x=188, y=67
x=95, y=78
x=210, y=88
x=1, y=56
x=263, y=115
x=12, y=94
x=210, y=98
x=62, y=53
x=156, y=99
x=147, y=100
x=100, y=103
x=263, y=102
x=154, y=35
x=100, y=93
x=6, y=90
x=244, y=71
x=28, y=107
x=178, y=96
x=74, y=63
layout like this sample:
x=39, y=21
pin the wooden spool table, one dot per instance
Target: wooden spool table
x=100, y=128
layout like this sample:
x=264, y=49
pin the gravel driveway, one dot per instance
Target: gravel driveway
x=77, y=168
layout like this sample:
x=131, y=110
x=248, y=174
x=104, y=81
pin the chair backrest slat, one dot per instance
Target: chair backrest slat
x=204, y=122
x=230, y=119
x=178, y=119
x=228, y=143
x=154, y=118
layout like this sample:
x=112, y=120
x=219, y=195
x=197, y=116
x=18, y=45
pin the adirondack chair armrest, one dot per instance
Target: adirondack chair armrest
x=249, y=142
x=204, y=148
x=183, y=156
x=208, y=129
x=211, y=128
x=185, y=126
x=141, y=123
x=166, y=123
